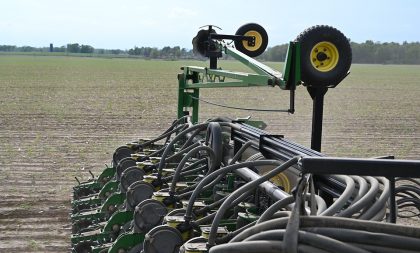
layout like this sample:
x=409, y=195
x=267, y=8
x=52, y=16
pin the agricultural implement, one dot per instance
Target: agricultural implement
x=226, y=185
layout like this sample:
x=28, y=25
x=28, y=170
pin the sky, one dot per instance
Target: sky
x=124, y=24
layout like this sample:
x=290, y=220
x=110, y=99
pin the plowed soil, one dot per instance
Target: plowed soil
x=61, y=117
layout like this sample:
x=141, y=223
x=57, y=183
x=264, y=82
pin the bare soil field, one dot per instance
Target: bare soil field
x=61, y=117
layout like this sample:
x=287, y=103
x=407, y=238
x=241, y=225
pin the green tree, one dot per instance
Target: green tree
x=7, y=48
x=73, y=48
x=86, y=49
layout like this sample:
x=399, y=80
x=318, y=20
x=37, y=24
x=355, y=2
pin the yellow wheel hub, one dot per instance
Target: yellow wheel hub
x=324, y=56
x=282, y=180
x=258, y=41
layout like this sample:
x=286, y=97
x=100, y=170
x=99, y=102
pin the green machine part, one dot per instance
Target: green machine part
x=119, y=218
x=112, y=202
x=192, y=79
x=126, y=242
x=95, y=185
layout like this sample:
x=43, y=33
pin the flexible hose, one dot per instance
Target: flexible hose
x=167, y=134
x=261, y=247
x=219, y=172
x=191, y=138
x=274, y=208
x=182, y=152
x=210, y=217
x=171, y=144
x=328, y=221
x=241, y=190
x=201, y=126
x=344, y=197
x=359, y=238
x=184, y=160
x=362, y=185
x=280, y=204
x=380, y=203
x=364, y=201
x=238, y=154
x=186, y=173
x=412, y=180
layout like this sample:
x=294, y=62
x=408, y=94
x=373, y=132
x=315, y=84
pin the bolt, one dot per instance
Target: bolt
x=316, y=50
x=325, y=50
x=314, y=59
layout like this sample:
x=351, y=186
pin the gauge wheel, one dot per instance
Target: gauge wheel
x=325, y=56
x=286, y=180
x=261, y=39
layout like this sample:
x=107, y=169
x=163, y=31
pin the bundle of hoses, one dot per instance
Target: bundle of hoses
x=408, y=197
x=325, y=234
x=317, y=234
x=361, y=197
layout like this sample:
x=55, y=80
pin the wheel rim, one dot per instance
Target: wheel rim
x=324, y=56
x=281, y=180
x=258, y=41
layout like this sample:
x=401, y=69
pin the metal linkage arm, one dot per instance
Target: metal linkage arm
x=194, y=78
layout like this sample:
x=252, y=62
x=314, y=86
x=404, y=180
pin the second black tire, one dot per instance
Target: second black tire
x=325, y=56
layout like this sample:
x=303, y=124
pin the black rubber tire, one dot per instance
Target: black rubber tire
x=311, y=37
x=255, y=28
x=214, y=140
x=201, y=42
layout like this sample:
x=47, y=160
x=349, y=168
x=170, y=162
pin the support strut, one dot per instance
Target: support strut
x=317, y=95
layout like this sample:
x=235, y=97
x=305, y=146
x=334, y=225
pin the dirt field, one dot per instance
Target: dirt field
x=61, y=117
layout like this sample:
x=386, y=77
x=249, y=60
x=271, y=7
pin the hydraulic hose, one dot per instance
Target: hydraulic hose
x=363, y=202
x=171, y=144
x=219, y=172
x=274, y=208
x=241, y=190
x=344, y=197
x=238, y=154
x=329, y=244
x=201, y=126
x=328, y=221
x=362, y=186
x=182, y=152
x=210, y=217
x=380, y=203
x=184, y=160
x=191, y=138
x=261, y=247
x=280, y=204
x=165, y=135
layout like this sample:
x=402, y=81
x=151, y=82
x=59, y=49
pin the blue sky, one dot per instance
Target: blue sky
x=125, y=23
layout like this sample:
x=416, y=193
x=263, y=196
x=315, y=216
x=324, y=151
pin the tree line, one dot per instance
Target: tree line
x=366, y=52
x=69, y=48
x=164, y=53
